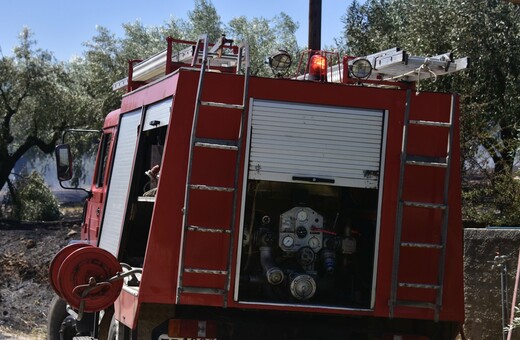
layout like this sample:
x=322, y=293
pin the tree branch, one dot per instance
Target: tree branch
x=10, y=110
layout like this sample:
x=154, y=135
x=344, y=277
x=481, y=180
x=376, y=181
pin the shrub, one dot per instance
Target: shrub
x=32, y=200
x=492, y=201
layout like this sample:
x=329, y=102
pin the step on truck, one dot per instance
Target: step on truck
x=322, y=205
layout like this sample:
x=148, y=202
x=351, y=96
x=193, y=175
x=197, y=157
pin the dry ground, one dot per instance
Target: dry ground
x=26, y=250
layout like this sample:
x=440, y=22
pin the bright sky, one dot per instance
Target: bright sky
x=61, y=26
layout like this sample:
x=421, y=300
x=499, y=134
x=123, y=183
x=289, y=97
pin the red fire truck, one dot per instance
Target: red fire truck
x=324, y=205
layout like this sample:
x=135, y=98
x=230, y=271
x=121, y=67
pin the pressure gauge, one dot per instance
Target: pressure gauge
x=314, y=243
x=302, y=215
x=301, y=232
x=288, y=241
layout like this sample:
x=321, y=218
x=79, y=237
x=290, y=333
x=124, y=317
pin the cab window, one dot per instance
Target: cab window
x=103, y=159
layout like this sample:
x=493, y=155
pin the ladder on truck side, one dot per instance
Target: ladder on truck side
x=422, y=161
x=203, y=55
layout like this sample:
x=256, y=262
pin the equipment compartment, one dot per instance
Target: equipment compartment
x=309, y=244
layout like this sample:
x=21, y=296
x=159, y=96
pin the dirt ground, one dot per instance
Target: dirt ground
x=26, y=250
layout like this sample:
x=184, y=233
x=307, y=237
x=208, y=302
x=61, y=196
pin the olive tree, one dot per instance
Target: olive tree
x=264, y=37
x=487, y=31
x=203, y=19
x=38, y=101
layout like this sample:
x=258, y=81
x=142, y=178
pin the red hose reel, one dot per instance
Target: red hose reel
x=87, y=277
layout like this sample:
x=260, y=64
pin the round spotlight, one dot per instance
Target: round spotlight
x=361, y=69
x=280, y=62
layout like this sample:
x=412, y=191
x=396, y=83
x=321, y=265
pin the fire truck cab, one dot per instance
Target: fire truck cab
x=228, y=206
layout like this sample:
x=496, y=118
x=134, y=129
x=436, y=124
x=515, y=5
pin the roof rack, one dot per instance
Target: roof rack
x=223, y=56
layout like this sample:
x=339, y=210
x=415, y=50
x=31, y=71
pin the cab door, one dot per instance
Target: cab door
x=95, y=204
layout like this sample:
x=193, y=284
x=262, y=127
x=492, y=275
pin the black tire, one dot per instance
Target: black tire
x=59, y=320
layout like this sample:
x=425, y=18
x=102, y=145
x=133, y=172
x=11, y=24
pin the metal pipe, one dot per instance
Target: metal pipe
x=502, y=278
x=314, y=24
x=513, y=304
x=273, y=274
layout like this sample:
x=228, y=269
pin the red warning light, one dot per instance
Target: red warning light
x=318, y=68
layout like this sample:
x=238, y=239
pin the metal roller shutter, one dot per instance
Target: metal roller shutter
x=158, y=114
x=336, y=145
x=112, y=226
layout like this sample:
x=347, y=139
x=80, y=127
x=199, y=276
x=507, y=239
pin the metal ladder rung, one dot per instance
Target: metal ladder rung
x=439, y=162
x=433, y=164
x=430, y=123
x=418, y=285
x=425, y=205
x=202, y=290
x=416, y=304
x=223, y=105
x=222, y=144
x=421, y=245
x=205, y=271
x=441, y=245
x=208, y=230
x=223, y=56
x=203, y=55
x=210, y=188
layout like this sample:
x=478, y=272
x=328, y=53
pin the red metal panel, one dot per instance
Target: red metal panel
x=219, y=123
x=428, y=106
x=206, y=251
x=150, y=93
x=96, y=203
x=161, y=262
x=112, y=119
x=212, y=207
x=126, y=308
x=214, y=167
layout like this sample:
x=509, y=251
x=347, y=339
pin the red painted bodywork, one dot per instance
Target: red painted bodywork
x=160, y=269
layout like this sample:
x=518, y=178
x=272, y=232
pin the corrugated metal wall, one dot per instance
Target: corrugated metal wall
x=326, y=142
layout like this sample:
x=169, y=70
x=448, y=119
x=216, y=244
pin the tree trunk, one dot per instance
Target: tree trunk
x=6, y=166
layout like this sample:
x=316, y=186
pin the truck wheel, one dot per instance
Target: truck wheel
x=59, y=321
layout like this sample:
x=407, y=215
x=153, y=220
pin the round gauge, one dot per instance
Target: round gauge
x=305, y=256
x=302, y=215
x=314, y=242
x=301, y=232
x=288, y=241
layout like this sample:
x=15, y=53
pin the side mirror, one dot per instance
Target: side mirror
x=63, y=162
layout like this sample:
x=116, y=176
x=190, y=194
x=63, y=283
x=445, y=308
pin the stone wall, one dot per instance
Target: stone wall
x=483, y=282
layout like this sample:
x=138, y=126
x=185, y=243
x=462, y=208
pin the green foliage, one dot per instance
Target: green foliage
x=105, y=60
x=31, y=200
x=40, y=97
x=102, y=65
x=487, y=31
x=204, y=19
x=265, y=37
x=494, y=200
x=516, y=321
x=38, y=100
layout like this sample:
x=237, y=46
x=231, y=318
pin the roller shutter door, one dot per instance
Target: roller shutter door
x=335, y=145
x=112, y=226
